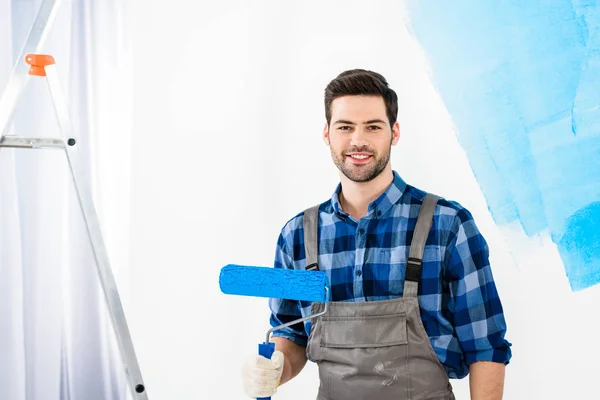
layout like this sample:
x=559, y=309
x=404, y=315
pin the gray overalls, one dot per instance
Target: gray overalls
x=376, y=350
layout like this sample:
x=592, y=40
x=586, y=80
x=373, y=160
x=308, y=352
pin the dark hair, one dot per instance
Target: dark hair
x=361, y=82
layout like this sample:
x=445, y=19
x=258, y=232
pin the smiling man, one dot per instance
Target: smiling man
x=413, y=301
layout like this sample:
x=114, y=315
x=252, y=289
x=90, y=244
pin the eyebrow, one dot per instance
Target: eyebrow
x=372, y=121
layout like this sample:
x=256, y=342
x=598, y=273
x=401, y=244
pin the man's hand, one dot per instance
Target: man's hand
x=262, y=375
x=486, y=380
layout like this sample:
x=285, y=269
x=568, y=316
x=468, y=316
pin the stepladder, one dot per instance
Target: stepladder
x=43, y=66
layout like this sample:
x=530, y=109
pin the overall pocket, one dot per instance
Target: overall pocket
x=364, y=331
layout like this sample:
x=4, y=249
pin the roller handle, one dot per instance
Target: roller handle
x=266, y=350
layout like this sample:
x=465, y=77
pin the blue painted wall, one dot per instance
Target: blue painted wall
x=521, y=80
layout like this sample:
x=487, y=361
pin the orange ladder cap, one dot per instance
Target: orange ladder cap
x=38, y=63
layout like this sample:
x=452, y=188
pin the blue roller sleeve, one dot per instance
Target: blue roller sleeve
x=273, y=282
x=266, y=350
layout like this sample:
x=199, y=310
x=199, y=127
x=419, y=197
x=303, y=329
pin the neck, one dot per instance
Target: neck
x=355, y=197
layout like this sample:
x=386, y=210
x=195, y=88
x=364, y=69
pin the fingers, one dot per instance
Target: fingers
x=260, y=368
x=262, y=375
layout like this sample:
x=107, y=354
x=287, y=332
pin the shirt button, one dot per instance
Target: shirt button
x=358, y=272
x=378, y=213
x=361, y=231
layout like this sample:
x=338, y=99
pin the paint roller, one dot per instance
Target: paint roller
x=278, y=283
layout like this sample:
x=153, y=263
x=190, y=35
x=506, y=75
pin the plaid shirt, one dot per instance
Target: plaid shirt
x=365, y=261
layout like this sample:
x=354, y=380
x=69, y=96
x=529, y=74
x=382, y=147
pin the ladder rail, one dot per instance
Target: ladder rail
x=92, y=223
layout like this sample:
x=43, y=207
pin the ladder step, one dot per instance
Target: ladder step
x=24, y=142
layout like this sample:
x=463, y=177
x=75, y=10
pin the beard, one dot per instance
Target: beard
x=361, y=173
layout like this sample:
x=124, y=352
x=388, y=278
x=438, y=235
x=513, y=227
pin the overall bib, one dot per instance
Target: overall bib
x=376, y=350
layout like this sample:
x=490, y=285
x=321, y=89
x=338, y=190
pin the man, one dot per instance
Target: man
x=413, y=301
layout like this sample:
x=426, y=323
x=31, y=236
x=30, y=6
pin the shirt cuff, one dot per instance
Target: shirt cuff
x=299, y=340
x=500, y=355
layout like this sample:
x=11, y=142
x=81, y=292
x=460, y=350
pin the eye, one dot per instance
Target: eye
x=344, y=128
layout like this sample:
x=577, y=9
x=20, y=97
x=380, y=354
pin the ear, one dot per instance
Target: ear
x=326, y=134
x=395, y=133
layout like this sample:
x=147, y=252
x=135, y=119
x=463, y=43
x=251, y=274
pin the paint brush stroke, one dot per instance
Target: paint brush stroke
x=521, y=81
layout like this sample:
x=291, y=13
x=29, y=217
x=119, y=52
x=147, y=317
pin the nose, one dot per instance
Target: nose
x=359, y=138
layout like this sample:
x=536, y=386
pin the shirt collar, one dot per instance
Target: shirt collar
x=381, y=205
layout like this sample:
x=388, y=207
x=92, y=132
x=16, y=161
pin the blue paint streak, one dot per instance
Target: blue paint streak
x=580, y=246
x=521, y=80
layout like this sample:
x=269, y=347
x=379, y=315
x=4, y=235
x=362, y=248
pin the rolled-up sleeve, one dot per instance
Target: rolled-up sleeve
x=474, y=301
x=283, y=310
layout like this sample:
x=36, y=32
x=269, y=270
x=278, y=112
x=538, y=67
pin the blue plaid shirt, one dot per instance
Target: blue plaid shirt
x=365, y=261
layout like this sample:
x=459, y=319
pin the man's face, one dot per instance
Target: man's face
x=360, y=136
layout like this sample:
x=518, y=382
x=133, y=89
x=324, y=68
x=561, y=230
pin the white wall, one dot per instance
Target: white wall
x=228, y=112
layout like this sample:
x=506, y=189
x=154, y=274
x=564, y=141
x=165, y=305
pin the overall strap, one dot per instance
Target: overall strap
x=311, y=248
x=417, y=247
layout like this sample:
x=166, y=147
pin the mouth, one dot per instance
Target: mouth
x=359, y=158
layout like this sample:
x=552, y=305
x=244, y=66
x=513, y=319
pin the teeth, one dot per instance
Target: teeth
x=360, y=157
